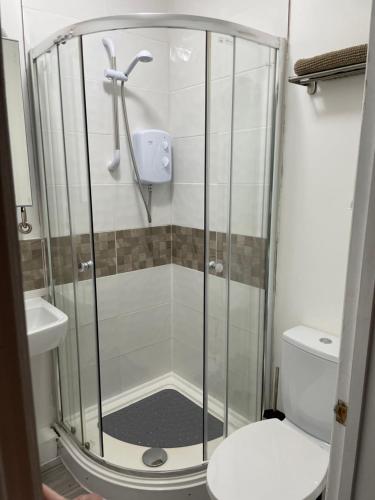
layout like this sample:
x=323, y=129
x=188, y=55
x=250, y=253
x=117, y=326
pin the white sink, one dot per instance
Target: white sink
x=46, y=325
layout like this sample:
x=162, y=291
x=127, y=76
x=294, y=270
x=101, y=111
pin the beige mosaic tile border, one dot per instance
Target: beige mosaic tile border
x=134, y=249
x=248, y=254
x=32, y=264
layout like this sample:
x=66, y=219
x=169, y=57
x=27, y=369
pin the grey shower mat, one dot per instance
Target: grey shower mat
x=166, y=419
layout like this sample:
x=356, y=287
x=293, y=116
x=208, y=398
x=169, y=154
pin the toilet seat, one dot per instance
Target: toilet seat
x=267, y=460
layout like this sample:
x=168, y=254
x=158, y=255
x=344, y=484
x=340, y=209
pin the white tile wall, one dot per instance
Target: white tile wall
x=134, y=291
x=249, y=156
x=250, y=119
x=219, y=158
x=187, y=111
x=187, y=326
x=104, y=207
x=116, y=199
x=187, y=58
x=188, y=362
x=187, y=123
x=146, y=364
x=58, y=211
x=188, y=160
x=129, y=209
x=247, y=209
x=187, y=332
x=251, y=101
x=129, y=332
x=188, y=205
x=125, y=372
x=134, y=327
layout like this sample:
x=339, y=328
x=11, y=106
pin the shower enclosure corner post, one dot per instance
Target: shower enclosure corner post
x=276, y=159
x=92, y=240
x=44, y=216
x=206, y=246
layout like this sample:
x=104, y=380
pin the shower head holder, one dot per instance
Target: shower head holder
x=115, y=75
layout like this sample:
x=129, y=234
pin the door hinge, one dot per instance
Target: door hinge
x=341, y=411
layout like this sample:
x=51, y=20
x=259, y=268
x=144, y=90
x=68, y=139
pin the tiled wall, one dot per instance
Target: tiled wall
x=32, y=263
x=41, y=19
x=250, y=185
x=117, y=204
x=129, y=250
x=168, y=93
x=134, y=311
x=150, y=300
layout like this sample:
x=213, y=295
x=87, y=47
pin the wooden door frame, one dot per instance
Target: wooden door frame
x=357, y=332
x=19, y=459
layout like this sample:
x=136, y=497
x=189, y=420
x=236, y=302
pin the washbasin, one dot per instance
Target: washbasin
x=46, y=325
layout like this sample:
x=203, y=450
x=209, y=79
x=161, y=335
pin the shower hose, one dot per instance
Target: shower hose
x=147, y=204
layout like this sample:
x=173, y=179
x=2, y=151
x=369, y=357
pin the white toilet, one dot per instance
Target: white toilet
x=286, y=460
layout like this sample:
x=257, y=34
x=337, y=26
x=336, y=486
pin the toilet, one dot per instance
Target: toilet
x=288, y=459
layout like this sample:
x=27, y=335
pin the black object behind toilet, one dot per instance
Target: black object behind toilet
x=274, y=412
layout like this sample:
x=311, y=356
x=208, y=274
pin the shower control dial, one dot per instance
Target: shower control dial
x=165, y=145
x=165, y=161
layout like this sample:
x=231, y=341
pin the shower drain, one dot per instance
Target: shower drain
x=154, y=457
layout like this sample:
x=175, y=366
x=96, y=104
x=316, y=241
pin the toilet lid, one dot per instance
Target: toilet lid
x=268, y=460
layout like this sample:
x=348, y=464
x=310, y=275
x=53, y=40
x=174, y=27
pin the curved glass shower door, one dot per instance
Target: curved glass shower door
x=151, y=301
x=166, y=340
x=239, y=129
x=70, y=243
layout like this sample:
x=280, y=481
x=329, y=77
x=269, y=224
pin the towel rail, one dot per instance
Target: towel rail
x=311, y=80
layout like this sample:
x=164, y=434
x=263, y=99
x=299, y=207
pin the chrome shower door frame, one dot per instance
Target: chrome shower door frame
x=83, y=440
x=207, y=25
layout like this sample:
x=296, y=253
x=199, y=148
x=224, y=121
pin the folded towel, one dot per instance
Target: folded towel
x=332, y=60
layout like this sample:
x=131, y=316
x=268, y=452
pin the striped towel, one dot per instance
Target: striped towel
x=332, y=60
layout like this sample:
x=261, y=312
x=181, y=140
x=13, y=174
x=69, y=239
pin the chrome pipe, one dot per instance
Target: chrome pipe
x=132, y=156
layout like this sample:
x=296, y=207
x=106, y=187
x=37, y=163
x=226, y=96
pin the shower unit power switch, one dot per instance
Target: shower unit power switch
x=152, y=149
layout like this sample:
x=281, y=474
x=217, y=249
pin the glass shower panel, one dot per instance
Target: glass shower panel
x=220, y=49
x=251, y=169
x=79, y=192
x=60, y=248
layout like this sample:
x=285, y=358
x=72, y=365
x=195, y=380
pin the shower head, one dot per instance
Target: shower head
x=113, y=74
x=110, y=47
x=142, y=56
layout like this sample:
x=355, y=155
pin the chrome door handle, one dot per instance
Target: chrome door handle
x=85, y=266
x=215, y=266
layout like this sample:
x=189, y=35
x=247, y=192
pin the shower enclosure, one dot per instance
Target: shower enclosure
x=168, y=344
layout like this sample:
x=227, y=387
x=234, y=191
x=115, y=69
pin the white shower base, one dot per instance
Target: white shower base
x=182, y=477
x=129, y=456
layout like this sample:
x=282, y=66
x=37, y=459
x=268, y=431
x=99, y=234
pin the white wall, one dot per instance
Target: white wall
x=319, y=166
x=270, y=16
